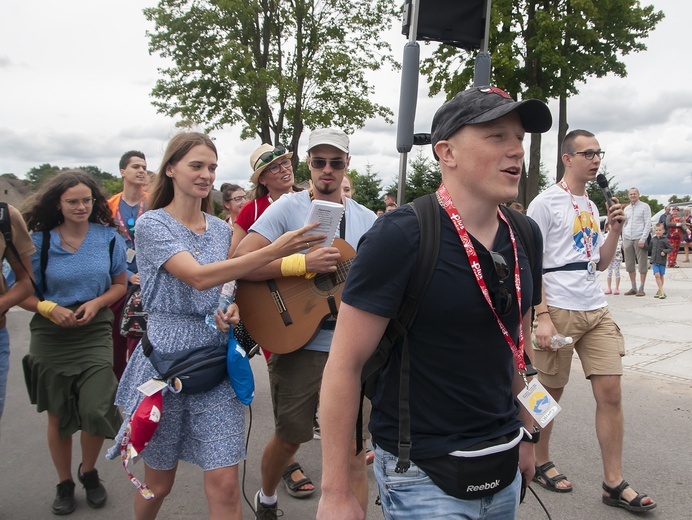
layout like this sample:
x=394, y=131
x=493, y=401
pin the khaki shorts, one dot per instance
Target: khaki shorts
x=597, y=341
x=295, y=381
x=634, y=252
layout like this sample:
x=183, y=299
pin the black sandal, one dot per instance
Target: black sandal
x=614, y=499
x=550, y=483
x=293, y=486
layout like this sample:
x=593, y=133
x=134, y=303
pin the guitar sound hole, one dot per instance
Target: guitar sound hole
x=325, y=281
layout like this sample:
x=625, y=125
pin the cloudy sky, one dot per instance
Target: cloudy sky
x=76, y=77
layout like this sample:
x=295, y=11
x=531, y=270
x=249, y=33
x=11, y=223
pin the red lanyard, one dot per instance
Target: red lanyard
x=587, y=238
x=446, y=202
x=122, y=224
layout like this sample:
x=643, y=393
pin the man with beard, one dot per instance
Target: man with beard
x=295, y=378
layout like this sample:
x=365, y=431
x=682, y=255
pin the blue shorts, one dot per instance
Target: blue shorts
x=413, y=496
x=658, y=269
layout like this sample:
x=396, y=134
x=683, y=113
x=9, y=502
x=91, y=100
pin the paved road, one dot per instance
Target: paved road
x=657, y=390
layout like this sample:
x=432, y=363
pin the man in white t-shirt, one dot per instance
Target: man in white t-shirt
x=574, y=305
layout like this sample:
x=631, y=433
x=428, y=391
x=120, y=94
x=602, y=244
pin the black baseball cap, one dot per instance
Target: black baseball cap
x=483, y=104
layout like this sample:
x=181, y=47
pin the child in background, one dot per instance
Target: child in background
x=614, y=267
x=660, y=247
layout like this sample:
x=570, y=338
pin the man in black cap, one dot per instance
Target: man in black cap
x=466, y=343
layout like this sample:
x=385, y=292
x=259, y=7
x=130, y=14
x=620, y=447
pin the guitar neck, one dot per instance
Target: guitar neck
x=339, y=276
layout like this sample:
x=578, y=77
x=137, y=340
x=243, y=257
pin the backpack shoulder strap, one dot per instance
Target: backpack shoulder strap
x=45, y=245
x=111, y=248
x=5, y=224
x=427, y=210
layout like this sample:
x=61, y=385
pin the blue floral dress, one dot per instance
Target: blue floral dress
x=206, y=429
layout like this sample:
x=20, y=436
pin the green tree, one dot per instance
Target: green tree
x=543, y=48
x=272, y=66
x=110, y=184
x=38, y=174
x=674, y=199
x=423, y=177
x=366, y=188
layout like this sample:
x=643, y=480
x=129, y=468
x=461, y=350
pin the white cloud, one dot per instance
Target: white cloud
x=77, y=78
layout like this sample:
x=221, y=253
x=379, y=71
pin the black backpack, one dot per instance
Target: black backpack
x=427, y=210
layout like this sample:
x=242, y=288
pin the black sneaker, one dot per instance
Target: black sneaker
x=64, y=498
x=95, y=492
x=264, y=512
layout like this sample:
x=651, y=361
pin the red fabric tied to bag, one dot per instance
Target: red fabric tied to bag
x=144, y=421
x=138, y=432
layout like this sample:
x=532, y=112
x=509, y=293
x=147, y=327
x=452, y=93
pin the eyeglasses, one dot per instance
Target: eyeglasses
x=268, y=157
x=503, y=297
x=275, y=168
x=335, y=164
x=589, y=155
x=74, y=203
x=239, y=198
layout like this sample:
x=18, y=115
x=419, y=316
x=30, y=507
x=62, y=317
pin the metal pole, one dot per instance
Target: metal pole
x=481, y=71
x=408, y=98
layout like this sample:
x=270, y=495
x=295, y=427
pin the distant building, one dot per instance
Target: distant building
x=14, y=191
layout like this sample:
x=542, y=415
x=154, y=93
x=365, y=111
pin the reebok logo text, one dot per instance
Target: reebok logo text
x=483, y=487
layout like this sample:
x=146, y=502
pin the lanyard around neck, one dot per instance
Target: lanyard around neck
x=446, y=202
x=119, y=218
x=586, y=238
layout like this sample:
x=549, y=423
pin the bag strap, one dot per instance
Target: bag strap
x=427, y=210
x=147, y=347
x=45, y=245
x=6, y=227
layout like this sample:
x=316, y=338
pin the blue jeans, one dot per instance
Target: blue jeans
x=4, y=365
x=413, y=496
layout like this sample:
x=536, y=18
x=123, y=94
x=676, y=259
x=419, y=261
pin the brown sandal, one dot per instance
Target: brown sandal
x=550, y=483
x=293, y=486
x=614, y=498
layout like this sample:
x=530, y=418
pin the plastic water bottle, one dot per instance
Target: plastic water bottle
x=557, y=341
x=225, y=299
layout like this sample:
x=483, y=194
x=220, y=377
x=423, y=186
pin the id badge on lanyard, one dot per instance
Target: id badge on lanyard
x=591, y=266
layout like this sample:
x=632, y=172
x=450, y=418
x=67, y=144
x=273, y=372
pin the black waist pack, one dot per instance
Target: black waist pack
x=189, y=371
x=482, y=470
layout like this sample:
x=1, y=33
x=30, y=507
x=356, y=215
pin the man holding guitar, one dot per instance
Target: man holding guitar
x=296, y=373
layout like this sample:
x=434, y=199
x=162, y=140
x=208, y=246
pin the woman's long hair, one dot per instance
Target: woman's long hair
x=42, y=211
x=163, y=192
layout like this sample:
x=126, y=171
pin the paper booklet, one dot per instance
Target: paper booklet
x=328, y=214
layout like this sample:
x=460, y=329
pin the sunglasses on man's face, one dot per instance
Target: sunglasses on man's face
x=319, y=163
x=503, y=297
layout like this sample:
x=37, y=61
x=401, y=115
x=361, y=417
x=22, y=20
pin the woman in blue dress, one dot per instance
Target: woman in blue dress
x=183, y=260
x=69, y=369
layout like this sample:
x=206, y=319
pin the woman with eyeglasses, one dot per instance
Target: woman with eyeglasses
x=234, y=198
x=79, y=265
x=272, y=176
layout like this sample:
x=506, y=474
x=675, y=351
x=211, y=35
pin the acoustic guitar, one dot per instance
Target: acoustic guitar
x=285, y=314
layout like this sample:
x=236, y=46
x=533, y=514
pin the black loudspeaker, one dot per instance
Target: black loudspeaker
x=460, y=23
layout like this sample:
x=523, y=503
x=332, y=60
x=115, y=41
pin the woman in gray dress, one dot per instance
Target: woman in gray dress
x=182, y=254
